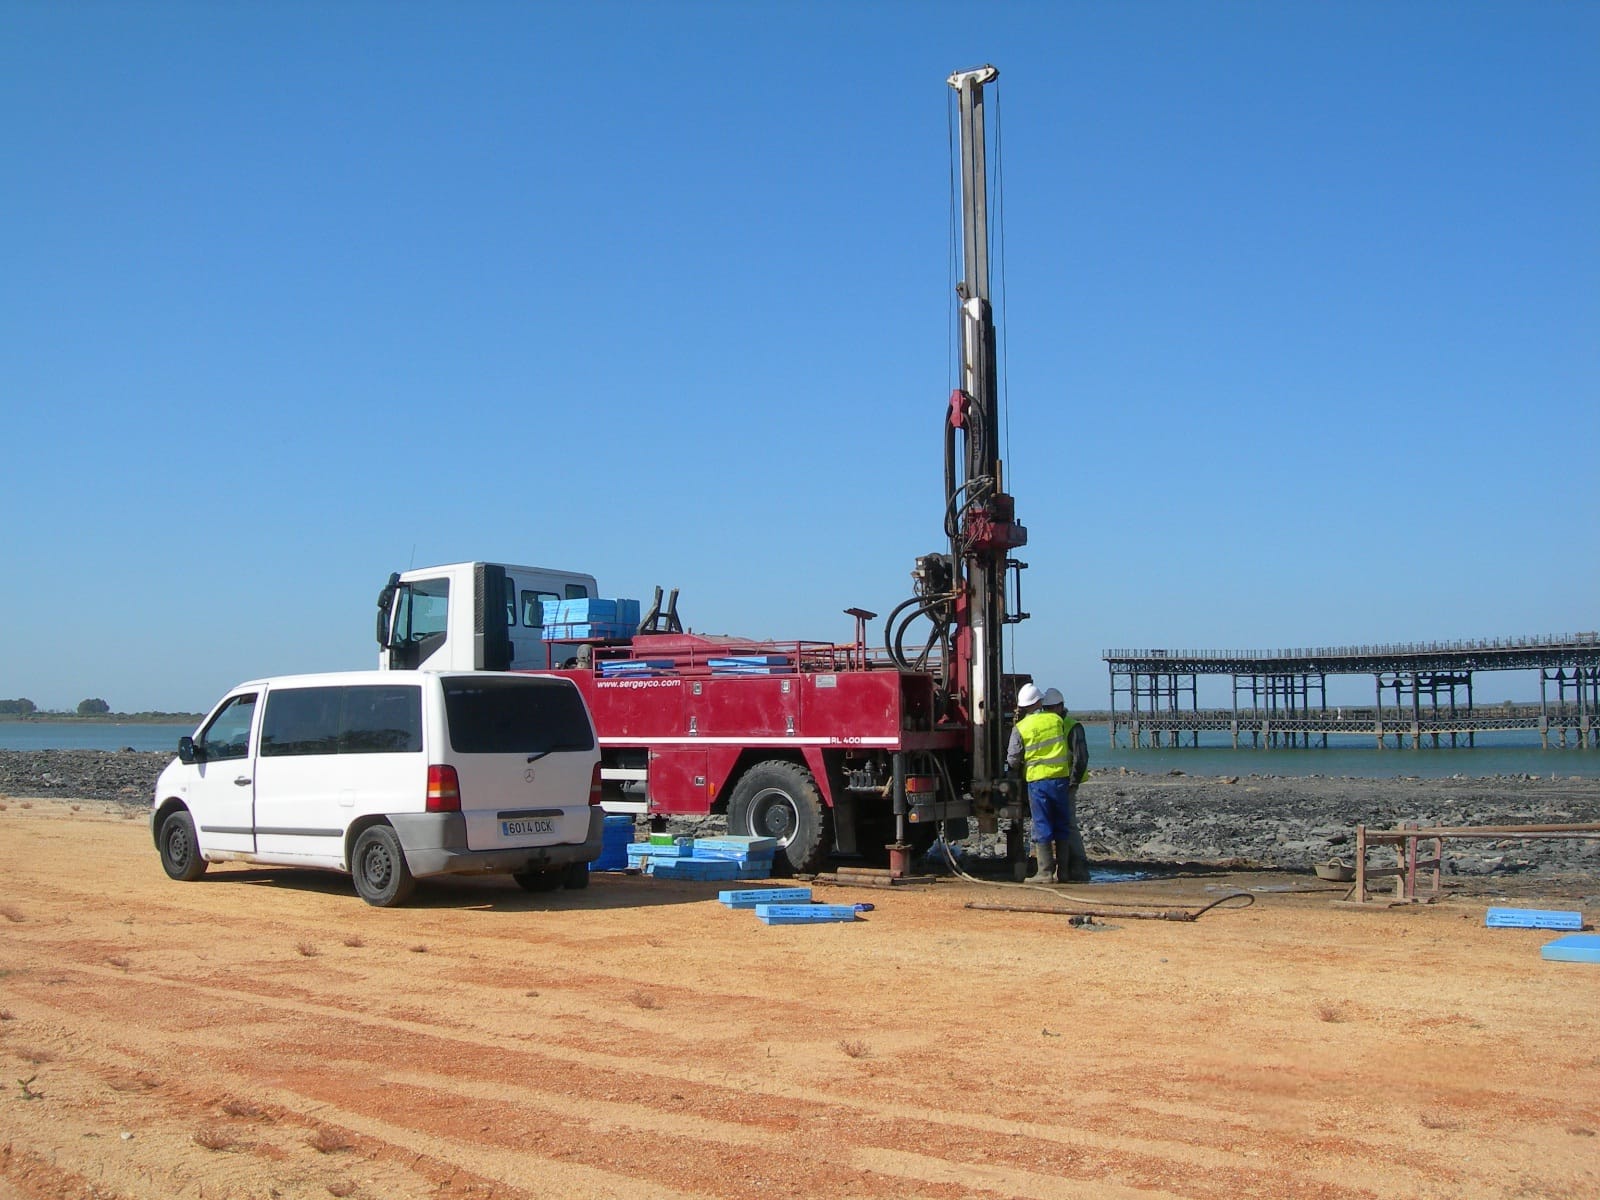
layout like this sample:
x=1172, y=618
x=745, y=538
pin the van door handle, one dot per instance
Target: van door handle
x=243, y=781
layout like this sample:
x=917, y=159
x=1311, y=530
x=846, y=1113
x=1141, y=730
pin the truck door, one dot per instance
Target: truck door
x=221, y=793
x=420, y=625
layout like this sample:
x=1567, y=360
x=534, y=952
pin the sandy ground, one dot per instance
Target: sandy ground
x=263, y=1033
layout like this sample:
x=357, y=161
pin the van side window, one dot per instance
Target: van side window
x=576, y=591
x=301, y=721
x=511, y=601
x=228, y=734
x=381, y=719
x=533, y=607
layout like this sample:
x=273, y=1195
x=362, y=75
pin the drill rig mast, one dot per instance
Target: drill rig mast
x=964, y=593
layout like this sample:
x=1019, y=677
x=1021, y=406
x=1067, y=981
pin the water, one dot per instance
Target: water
x=1495, y=753
x=72, y=735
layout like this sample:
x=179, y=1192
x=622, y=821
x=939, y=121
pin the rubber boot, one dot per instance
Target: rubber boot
x=1045, y=872
x=1072, y=863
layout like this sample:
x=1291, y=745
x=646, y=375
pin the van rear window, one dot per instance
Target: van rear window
x=515, y=716
x=358, y=719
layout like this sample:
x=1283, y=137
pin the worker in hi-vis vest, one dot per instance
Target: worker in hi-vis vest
x=1039, y=747
x=1072, y=860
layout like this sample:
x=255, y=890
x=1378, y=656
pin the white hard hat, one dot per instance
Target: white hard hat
x=1029, y=696
x=1054, y=696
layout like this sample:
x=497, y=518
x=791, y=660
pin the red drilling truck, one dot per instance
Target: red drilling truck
x=828, y=747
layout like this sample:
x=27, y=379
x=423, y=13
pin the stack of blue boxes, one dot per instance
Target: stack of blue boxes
x=716, y=858
x=590, y=618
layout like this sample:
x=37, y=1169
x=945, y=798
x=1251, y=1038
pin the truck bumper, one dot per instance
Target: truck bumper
x=436, y=844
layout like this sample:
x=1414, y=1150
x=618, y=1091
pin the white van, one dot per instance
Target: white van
x=389, y=776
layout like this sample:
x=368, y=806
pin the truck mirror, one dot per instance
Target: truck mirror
x=186, y=749
x=385, y=599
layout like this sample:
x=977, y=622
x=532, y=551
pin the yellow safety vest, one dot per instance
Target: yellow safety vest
x=1044, y=746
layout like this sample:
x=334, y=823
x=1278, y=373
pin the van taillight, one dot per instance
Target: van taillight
x=594, y=785
x=444, y=790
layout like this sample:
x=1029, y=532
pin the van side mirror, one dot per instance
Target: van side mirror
x=186, y=752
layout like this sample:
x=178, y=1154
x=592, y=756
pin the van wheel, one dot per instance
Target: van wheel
x=777, y=799
x=180, y=850
x=537, y=881
x=378, y=866
x=575, y=875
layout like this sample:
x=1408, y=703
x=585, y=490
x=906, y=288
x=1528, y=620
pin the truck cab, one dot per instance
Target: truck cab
x=430, y=619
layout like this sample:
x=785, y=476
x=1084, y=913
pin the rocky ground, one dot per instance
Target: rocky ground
x=1279, y=822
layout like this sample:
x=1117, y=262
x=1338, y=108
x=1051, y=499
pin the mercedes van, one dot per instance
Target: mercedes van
x=389, y=776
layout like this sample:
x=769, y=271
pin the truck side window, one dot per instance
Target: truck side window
x=228, y=735
x=424, y=610
x=576, y=591
x=533, y=607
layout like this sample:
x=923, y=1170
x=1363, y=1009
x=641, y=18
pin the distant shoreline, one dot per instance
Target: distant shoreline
x=102, y=719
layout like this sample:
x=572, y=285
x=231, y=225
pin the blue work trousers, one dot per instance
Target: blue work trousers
x=1051, y=802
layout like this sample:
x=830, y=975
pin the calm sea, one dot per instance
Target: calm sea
x=1495, y=753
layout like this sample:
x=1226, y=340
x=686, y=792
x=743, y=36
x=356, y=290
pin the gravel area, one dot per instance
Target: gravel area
x=1277, y=822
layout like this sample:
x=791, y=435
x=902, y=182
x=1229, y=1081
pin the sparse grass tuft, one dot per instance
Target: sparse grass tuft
x=36, y=1056
x=341, y=1187
x=26, y=804
x=307, y=950
x=28, y=1093
x=355, y=941
x=419, y=948
x=7, y=1015
x=116, y=960
x=855, y=1048
x=12, y=913
x=243, y=1108
x=212, y=1138
x=328, y=1141
x=1332, y=1013
x=75, y=808
x=643, y=999
x=1435, y=1118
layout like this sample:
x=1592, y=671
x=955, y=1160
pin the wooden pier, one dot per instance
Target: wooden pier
x=1423, y=694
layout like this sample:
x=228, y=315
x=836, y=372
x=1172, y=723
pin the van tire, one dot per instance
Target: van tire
x=180, y=850
x=537, y=881
x=779, y=799
x=378, y=866
x=575, y=876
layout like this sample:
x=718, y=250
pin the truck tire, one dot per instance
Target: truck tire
x=378, y=866
x=180, y=851
x=778, y=799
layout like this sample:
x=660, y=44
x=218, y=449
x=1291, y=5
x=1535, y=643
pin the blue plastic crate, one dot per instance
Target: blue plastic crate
x=804, y=914
x=1532, y=918
x=693, y=868
x=1575, y=947
x=616, y=837
x=750, y=897
x=736, y=847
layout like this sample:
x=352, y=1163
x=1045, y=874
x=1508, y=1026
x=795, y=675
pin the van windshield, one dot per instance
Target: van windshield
x=515, y=716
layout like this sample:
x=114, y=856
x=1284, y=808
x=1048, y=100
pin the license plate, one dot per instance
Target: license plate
x=528, y=826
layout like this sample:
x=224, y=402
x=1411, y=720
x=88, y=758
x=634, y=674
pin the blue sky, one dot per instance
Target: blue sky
x=1301, y=304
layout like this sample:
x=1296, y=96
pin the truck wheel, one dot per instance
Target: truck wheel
x=378, y=866
x=537, y=881
x=780, y=800
x=180, y=851
x=575, y=875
